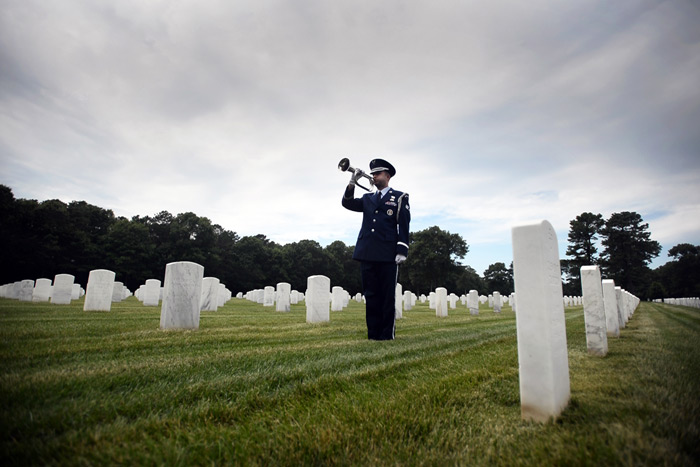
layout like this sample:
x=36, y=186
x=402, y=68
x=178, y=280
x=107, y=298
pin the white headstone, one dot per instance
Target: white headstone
x=398, y=301
x=269, y=296
x=26, y=290
x=182, y=295
x=497, y=302
x=62, y=289
x=151, y=292
x=100, y=288
x=75, y=292
x=42, y=289
x=473, y=302
x=594, y=311
x=337, y=298
x=118, y=291
x=612, y=322
x=408, y=300
x=541, y=328
x=284, y=296
x=318, y=291
x=620, y=307
x=440, y=302
x=210, y=294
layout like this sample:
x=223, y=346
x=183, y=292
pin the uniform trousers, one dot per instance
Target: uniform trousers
x=379, y=284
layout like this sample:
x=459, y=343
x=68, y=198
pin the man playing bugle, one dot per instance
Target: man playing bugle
x=382, y=244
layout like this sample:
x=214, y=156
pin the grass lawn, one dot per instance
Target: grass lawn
x=255, y=386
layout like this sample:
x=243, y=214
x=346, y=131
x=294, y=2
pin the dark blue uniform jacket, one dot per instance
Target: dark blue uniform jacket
x=385, y=225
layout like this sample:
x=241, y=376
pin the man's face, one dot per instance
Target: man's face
x=381, y=179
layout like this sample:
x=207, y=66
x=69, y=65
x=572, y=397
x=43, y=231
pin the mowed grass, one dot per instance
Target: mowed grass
x=255, y=386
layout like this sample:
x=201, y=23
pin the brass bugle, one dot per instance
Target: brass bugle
x=344, y=166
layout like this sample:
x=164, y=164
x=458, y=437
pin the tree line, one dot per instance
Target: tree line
x=41, y=239
x=627, y=250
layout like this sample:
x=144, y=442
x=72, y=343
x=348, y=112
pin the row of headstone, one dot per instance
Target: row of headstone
x=690, y=301
x=282, y=297
x=541, y=325
x=61, y=292
x=441, y=302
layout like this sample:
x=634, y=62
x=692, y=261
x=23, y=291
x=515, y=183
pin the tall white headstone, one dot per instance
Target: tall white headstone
x=210, y=294
x=441, y=302
x=408, y=300
x=541, y=328
x=594, y=311
x=118, y=291
x=612, y=322
x=42, y=290
x=398, y=301
x=151, y=292
x=75, y=292
x=100, y=288
x=269, y=296
x=26, y=290
x=318, y=294
x=62, y=289
x=284, y=296
x=337, y=298
x=497, y=301
x=473, y=302
x=182, y=295
x=620, y=307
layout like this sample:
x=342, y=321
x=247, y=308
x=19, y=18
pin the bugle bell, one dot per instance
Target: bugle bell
x=344, y=166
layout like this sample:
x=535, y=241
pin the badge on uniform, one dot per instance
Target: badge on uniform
x=389, y=212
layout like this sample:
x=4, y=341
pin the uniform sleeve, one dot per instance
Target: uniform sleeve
x=403, y=225
x=349, y=201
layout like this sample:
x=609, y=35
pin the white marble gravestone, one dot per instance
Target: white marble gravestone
x=284, y=295
x=408, y=300
x=620, y=307
x=541, y=328
x=497, y=301
x=473, y=302
x=398, y=301
x=62, y=289
x=100, y=288
x=42, y=289
x=337, y=298
x=269, y=296
x=182, y=295
x=612, y=323
x=210, y=294
x=26, y=290
x=150, y=294
x=441, y=302
x=75, y=292
x=452, y=300
x=118, y=291
x=318, y=292
x=594, y=311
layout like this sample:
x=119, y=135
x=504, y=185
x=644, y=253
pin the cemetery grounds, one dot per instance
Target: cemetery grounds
x=256, y=386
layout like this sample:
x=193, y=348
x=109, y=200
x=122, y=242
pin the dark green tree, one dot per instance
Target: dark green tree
x=346, y=271
x=628, y=251
x=582, y=250
x=681, y=277
x=468, y=280
x=433, y=259
x=498, y=278
x=129, y=252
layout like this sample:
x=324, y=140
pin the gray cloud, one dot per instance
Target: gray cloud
x=493, y=113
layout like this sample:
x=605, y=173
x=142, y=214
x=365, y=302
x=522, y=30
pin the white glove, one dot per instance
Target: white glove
x=355, y=176
x=400, y=259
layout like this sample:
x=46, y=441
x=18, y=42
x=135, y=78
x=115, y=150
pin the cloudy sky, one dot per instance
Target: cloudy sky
x=494, y=113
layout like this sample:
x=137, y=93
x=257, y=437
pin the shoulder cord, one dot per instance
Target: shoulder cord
x=398, y=210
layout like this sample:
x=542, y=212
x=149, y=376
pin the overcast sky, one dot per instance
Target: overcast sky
x=493, y=113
